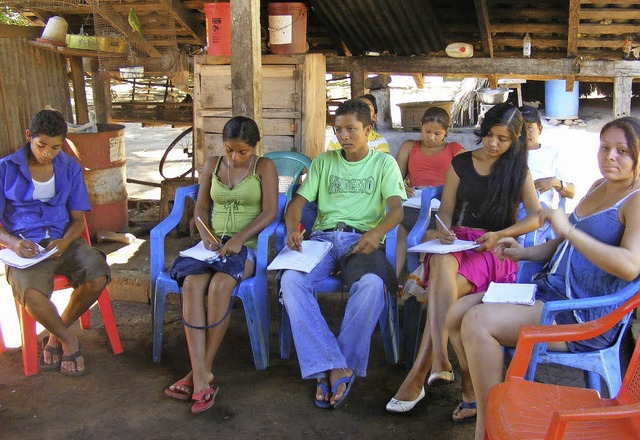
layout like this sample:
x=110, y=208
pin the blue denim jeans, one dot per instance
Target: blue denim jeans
x=318, y=349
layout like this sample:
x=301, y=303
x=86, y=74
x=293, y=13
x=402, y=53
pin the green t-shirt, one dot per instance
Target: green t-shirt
x=355, y=193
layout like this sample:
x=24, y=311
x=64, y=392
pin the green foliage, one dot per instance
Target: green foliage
x=9, y=16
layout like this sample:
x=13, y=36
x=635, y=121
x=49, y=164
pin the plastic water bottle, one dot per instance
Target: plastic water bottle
x=459, y=50
x=526, y=46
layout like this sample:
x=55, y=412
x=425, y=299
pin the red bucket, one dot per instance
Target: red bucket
x=287, y=28
x=218, y=28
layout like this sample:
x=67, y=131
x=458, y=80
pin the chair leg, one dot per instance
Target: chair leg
x=85, y=320
x=255, y=313
x=29, y=341
x=104, y=303
x=412, y=321
x=157, y=323
x=3, y=347
x=592, y=380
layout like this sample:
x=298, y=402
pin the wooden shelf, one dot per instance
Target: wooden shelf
x=63, y=50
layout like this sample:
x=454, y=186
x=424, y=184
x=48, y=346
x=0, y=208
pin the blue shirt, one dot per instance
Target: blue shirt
x=21, y=214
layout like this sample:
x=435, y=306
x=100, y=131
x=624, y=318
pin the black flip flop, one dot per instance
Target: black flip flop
x=52, y=351
x=73, y=358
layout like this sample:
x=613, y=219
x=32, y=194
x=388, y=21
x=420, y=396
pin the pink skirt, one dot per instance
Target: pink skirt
x=479, y=268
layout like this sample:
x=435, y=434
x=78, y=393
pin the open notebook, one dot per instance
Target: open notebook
x=312, y=252
x=510, y=293
x=199, y=252
x=8, y=257
x=435, y=247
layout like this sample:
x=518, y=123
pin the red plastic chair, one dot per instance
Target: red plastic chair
x=519, y=409
x=28, y=324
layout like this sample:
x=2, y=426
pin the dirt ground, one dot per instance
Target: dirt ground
x=122, y=395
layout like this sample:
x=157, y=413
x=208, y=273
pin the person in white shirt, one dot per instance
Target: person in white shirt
x=546, y=170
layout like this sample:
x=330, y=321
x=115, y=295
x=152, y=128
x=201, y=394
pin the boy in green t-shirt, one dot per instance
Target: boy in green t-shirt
x=359, y=193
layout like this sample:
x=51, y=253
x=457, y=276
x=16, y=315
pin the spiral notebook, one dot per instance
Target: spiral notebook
x=10, y=258
x=304, y=261
x=435, y=247
x=199, y=252
x=510, y=293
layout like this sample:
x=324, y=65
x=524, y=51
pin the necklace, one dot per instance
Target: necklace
x=231, y=185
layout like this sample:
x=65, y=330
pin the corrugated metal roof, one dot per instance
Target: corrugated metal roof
x=401, y=27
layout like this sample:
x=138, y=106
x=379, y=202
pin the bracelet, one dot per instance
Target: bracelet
x=561, y=186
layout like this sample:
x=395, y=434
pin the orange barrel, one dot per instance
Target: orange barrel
x=218, y=17
x=287, y=28
x=103, y=158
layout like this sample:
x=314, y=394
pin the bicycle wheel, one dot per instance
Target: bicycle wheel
x=177, y=160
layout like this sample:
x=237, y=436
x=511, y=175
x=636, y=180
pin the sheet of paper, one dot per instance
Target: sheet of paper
x=510, y=293
x=435, y=247
x=7, y=256
x=312, y=252
x=199, y=252
x=414, y=201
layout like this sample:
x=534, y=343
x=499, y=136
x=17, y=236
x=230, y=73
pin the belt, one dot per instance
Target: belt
x=344, y=229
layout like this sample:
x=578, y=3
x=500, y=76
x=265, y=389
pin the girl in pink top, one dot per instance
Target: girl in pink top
x=423, y=163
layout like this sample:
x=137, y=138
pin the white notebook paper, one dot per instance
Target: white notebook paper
x=199, y=252
x=7, y=256
x=435, y=247
x=510, y=293
x=312, y=252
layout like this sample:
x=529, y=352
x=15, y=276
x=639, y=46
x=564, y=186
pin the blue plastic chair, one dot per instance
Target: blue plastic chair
x=252, y=291
x=290, y=166
x=596, y=364
x=413, y=310
x=388, y=320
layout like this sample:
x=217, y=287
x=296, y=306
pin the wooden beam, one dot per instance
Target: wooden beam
x=419, y=80
x=246, y=62
x=532, y=28
x=482, y=12
x=186, y=18
x=572, y=28
x=613, y=28
x=79, y=90
x=621, y=96
x=9, y=31
x=598, y=14
x=101, y=85
x=358, y=76
x=121, y=25
x=532, y=68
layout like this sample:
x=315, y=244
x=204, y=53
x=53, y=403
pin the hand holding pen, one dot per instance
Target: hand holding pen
x=445, y=234
x=216, y=242
x=28, y=249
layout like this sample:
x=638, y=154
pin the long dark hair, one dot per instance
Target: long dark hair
x=243, y=129
x=631, y=127
x=508, y=173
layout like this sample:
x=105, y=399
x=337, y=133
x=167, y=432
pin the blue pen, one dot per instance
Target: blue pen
x=39, y=249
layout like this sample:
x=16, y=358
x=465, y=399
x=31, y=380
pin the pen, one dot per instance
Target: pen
x=39, y=248
x=208, y=231
x=439, y=220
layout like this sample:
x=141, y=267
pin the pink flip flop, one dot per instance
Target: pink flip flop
x=204, y=399
x=174, y=392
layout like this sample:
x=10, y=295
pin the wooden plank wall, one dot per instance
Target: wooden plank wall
x=30, y=80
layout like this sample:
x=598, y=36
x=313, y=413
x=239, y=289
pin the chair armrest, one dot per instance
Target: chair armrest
x=560, y=419
x=532, y=334
x=160, y=231
x=417, y=232
x=552, y=308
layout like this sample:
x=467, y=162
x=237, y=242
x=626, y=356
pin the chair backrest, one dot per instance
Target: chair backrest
x=290, y=166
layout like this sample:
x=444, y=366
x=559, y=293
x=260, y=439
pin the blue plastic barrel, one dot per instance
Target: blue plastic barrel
x=558, y=103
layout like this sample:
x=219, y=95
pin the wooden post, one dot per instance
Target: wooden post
x=101, y=93
x=621, y=96
x=246, y=62
x=79, y=90
x=358, y=75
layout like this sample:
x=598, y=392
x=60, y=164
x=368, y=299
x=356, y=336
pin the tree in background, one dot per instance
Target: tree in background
x=9, y=16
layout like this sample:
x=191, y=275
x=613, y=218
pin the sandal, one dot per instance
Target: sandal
x=204, y=399
x=324, y=404
x=72, y=358
x=463, y=408
x=53, y=351
x=174, y=391
x=441, y=378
